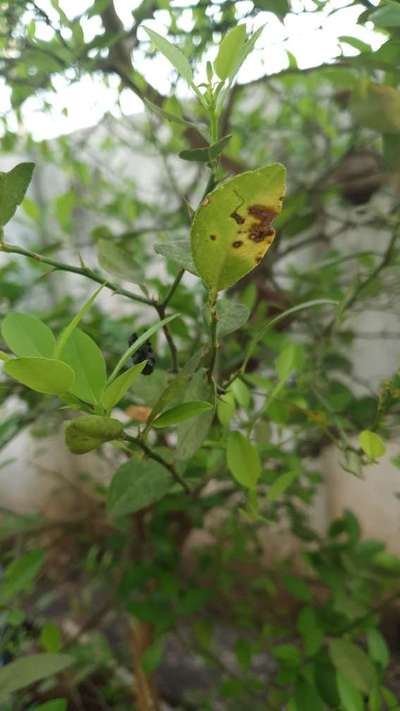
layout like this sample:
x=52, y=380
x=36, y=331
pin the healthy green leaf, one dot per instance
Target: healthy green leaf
x=192, y=433
x=280, y=485
x=68, y=330
x=85, y=358
x=350, y=696
x=288, y=360
x=118, y=262
x=53, y=705
x=182, y=412
x=27, y=670
x=274, y=321
x=372, y=444
x=229, y=52
x=232, y=315
x=307, y=697
x=377, y=647
x=241, y=393
x=179, y=251
x=353, y=664
x=50, y=638
x=88, y=432
x=26, y=335
x=243, y=460
x=44, y=375
x=172, y=53
x=20, y=574
x=205, y=155
x=13, y=186
x=232, y=229
x=137, y=484
x=387, y=14
x=120, y=386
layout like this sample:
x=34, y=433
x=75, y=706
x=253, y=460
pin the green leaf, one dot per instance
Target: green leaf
x=226, y=407
x=243, y=460
x=274, y=321
x=372, y=444
x=241, y=393
x=20, y=574
x=50, y=638
x=288, y=360
x=307, y=697
x=30, y=669
x=44, y=375
x=377, y=107
x=120, y=386
x=192, y=433
x=137, y=484
x=182, y=412
x=387, y=15
x=68, y=330
x=85, y=358
x=13, y=186
x=229, y=52
x=53, y=705
x=352, y=663
x=232, y=315
x=375, y=700
x=178, y=250
x=377, y=647
x=280, y=485
x=172, y=53
x=350, y=696
x=232, y=229
x=26, y=335
x=205, y=155
x=118, y=262
x=138, y=344
x=88, y=432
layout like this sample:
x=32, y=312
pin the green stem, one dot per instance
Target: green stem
x=158, y=458
x=212, y=305
x=83, y=271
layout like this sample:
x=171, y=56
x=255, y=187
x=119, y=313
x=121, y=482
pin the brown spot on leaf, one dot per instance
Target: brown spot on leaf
x=258, y=260
x=238, y=218
x=205, y=202
x=213, y=237
x=237, y=243
x=261, y=228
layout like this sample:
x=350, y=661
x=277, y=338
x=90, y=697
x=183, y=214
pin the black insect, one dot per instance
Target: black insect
x=145, y=352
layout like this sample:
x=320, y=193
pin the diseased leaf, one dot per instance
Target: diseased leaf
x=13, y=186
x=120, y=386
x=27, y=335
x=232, y=315
x=372, y=444
x=172, y=53
x=29, y=669
x=137, y=484
x=85, y=433
x=182, y=412
x=232, y=229
x=44, y=375
x=243, y=460
x=85, y=358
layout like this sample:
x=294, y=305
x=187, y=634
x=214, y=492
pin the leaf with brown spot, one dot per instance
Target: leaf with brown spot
x=240, y=212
